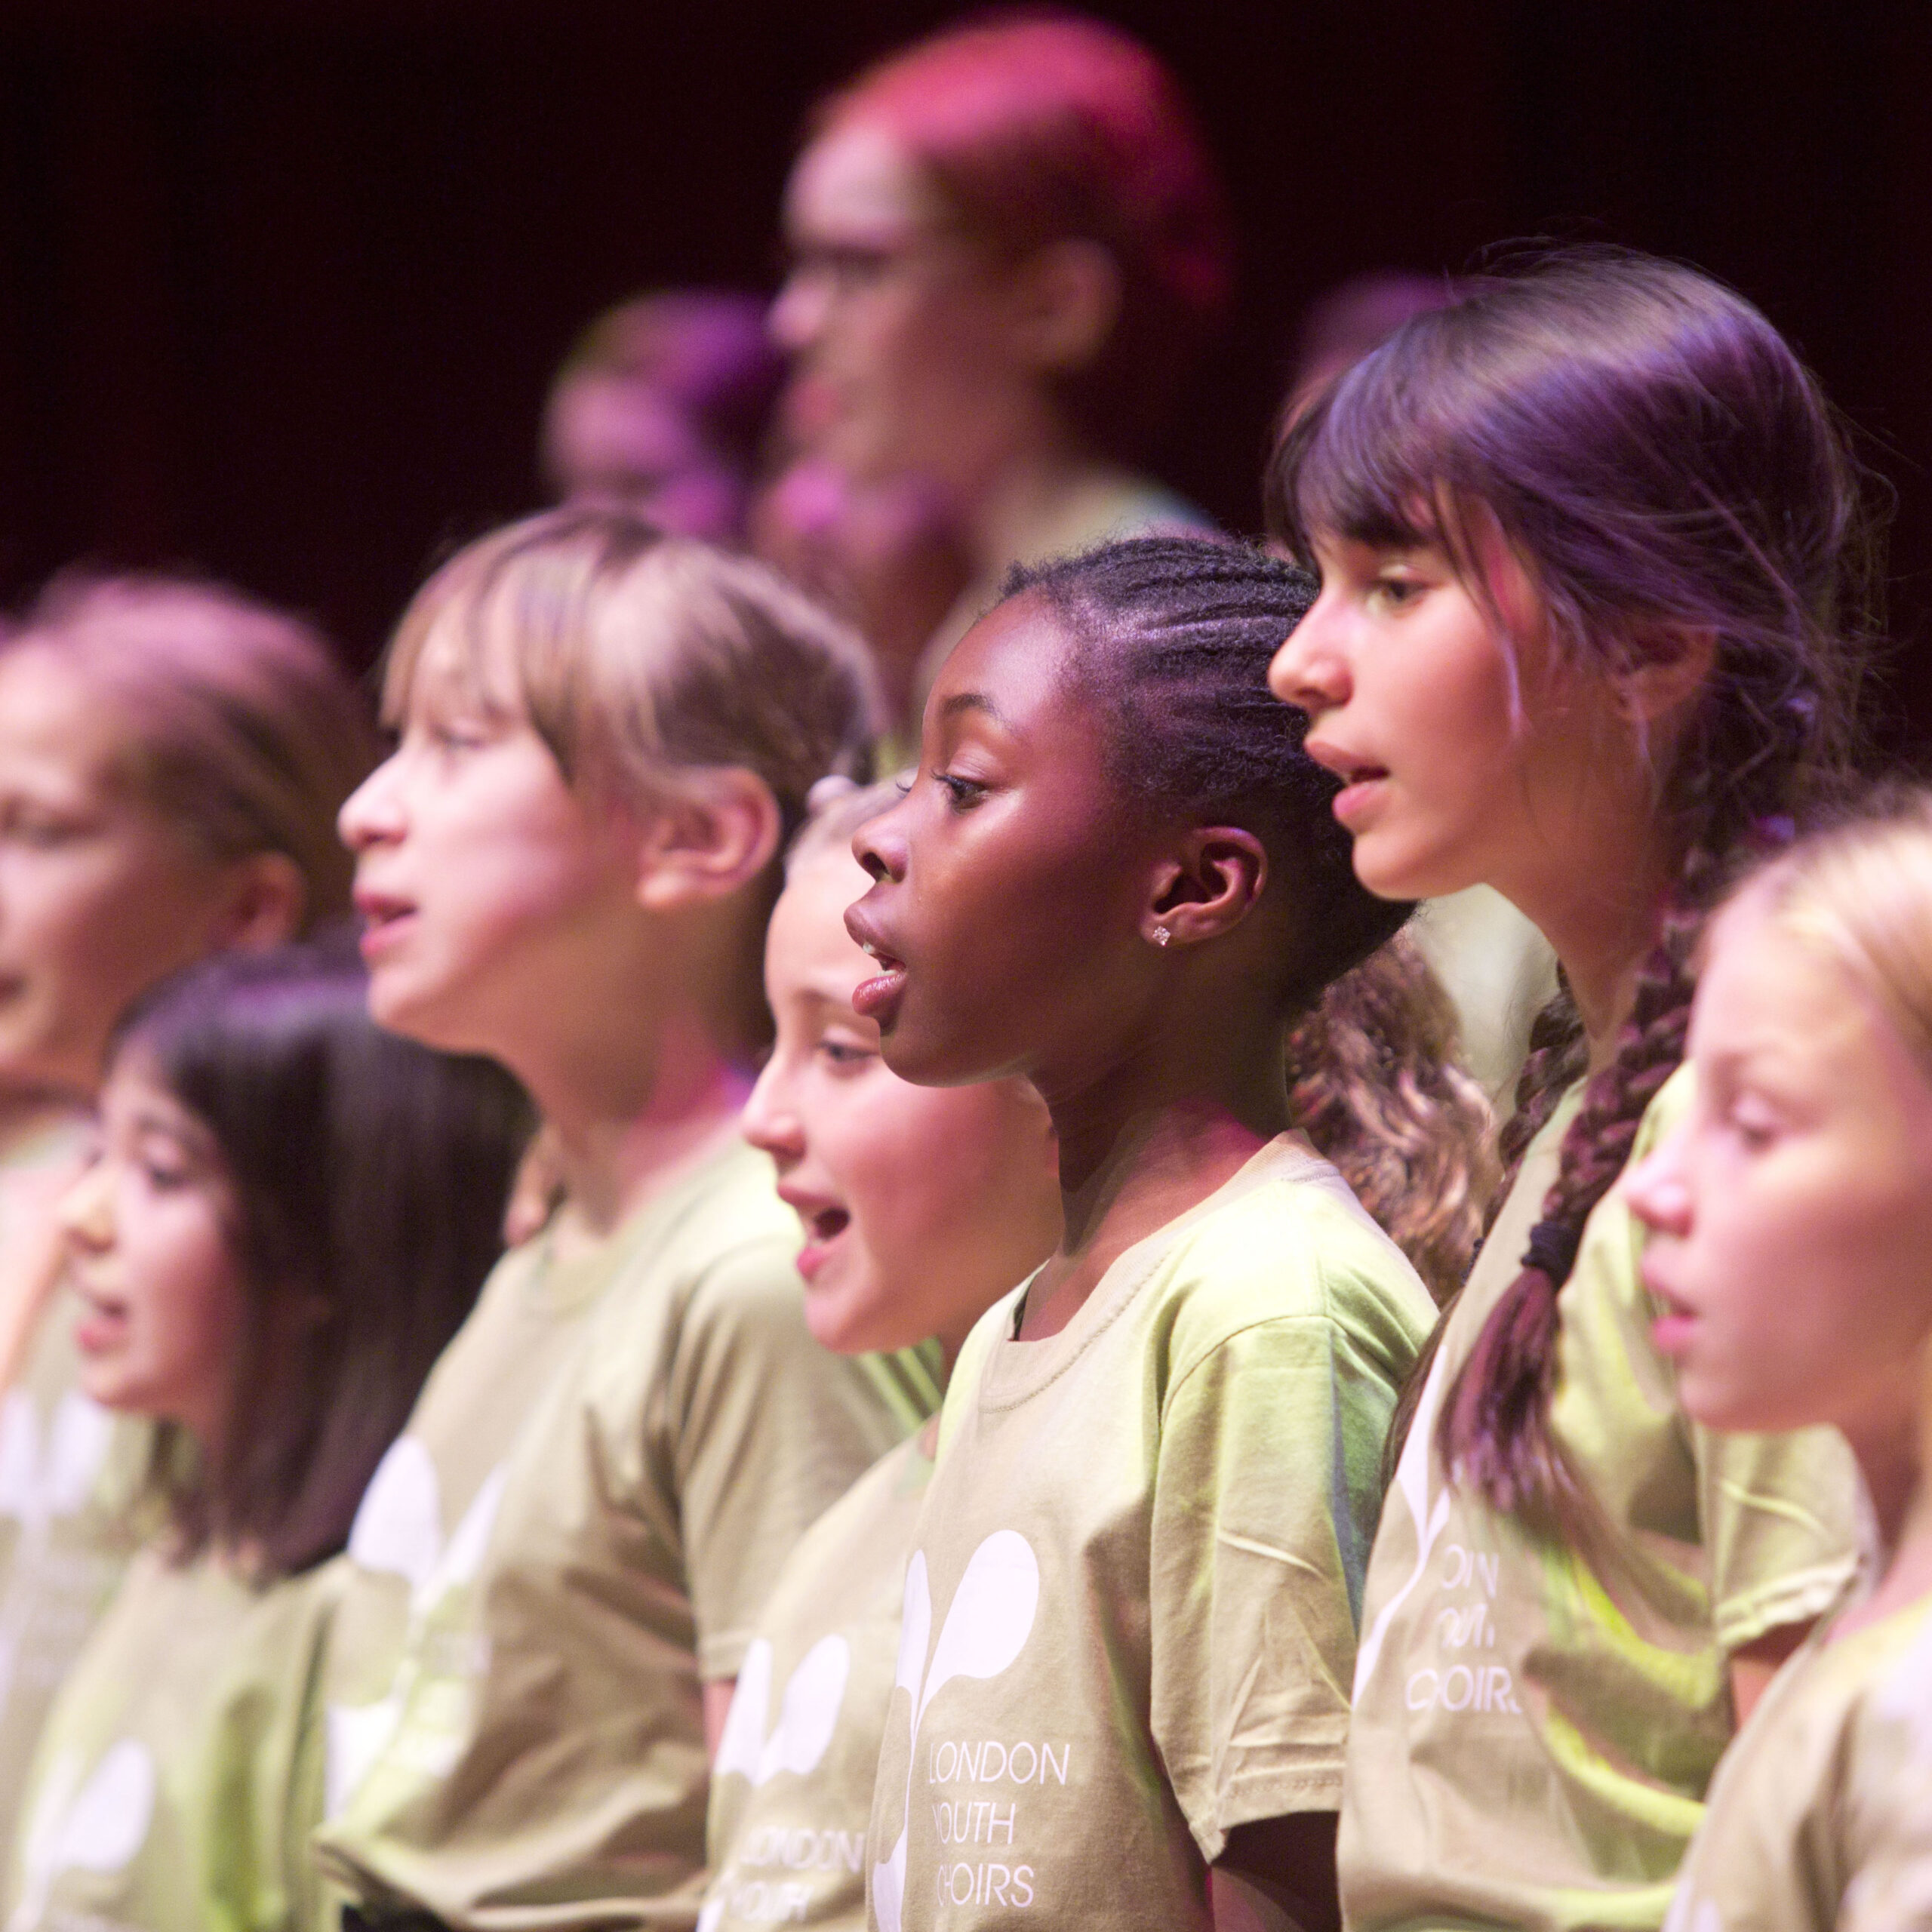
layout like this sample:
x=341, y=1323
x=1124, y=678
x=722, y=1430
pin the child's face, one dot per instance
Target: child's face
x=1791, y=1213
x=1465, y=750
x=921, y=1205
x=491, y=889
x=148, y=1233
x=1005, y=913
x=100, y=896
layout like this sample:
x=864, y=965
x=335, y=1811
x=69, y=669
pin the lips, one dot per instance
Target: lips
x=1672, y=1325
x=1361, y=780
x=102, y=1324
x=386, y=918
x=876, y=998
x=824, y=1221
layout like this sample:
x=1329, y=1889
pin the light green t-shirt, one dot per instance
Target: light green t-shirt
x=1535, y=1726
x=791, y=1785
x=427, y=1512
x=1818, y=1817
x=179, y=1773
x=549, y=1766
x=68, y=1472
x=1129, y=1618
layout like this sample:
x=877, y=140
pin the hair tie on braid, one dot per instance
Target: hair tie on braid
x=1553, y=1251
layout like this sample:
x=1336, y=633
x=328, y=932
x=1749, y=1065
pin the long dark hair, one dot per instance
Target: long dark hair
x=1172, y=635
x=371, y=1174
x=1660, y=462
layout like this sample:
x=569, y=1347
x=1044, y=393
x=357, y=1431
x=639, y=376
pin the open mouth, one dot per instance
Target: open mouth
x=101, y=1324
x=383, y=919
x=876, y=998
x=823, y=1226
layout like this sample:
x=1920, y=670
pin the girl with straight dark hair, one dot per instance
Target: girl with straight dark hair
x=289, y=1213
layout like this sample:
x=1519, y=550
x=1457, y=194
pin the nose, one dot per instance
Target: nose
x=85, y=1215
x=373, y=812
x=1658, y=1191
x=797, y=311
x=769, y=1122
x=879, y=845
x=1310, y=669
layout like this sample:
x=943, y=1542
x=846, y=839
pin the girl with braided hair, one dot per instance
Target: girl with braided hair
x=1591, y=557
x=1129, y=1613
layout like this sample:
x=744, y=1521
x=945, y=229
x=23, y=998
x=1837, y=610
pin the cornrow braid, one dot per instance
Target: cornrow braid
x=1171, y=637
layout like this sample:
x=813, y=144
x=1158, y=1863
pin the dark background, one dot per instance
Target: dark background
x=281, y=283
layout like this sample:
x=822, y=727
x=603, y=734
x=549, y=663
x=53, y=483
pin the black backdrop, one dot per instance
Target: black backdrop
x=281, y=280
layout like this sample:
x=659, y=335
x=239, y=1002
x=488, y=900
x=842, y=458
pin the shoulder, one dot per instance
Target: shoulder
x=1294, y=1250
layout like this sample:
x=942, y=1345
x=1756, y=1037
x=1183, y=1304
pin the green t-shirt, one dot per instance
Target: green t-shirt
x=1129, y=1618
x=1820, y=1815
x=179, y=1773
x=548, y=1767
x=791, y=1785
x=1535, y=1726
x=423, y=1523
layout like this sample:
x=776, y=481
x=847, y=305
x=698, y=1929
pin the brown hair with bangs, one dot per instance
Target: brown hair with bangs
x=641, y=659
x=368, y=1174
x=1659, y=461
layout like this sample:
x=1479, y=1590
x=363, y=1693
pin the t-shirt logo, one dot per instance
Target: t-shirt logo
x=398, y=1531
x=987, y=1626
x=94, y=1826
x=806, y=1719
x=1411, y=1484
x=40, y=1480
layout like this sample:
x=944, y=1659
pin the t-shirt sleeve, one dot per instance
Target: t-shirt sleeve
x=1779, y=1522
x=1264, y=1509
x=769, y=1429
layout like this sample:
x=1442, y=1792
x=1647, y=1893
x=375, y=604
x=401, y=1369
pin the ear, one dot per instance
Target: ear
x=1068, y=300
x=1206, y=888
x=717, y=831
x=267, y=897
x=1674, y=665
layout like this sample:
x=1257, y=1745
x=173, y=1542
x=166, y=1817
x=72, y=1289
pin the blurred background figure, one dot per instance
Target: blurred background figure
x=662, y=407
x=1497, y=968
x=883, y=554
x=1008, y=245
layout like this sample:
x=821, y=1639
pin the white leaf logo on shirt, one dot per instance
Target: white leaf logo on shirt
x=398, y=1531
x=40, y=1480
x=806, y=1719
x=97, y=1828
x=1412, y=1485
x=987, y=1627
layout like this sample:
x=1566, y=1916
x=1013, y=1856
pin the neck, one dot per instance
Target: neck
x=1040, y=495
x=1149, y=1140
x=621, y=1119
x=1601, y=932
x=1901, y=1512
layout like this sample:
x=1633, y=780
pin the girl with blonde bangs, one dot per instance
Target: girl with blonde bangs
x=172, y=757
x=1789, y=1217
x=605, y=737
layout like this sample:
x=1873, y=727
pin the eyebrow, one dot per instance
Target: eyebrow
x=960, y=701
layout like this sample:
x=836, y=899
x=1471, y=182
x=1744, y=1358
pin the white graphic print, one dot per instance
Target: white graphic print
x=1412, y=1485
x=397, y=1530
x=987, y=1627
x=42, y=1482
x=806, y=1719
x=96, y=1828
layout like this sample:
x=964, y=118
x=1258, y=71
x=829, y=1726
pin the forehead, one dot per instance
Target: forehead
x=807, y=929
x=51, y=716
x=857, y=178
x=1013, y=662
x=464, y=657
x=1767, y=996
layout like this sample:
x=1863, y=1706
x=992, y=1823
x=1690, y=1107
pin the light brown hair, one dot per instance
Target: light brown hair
x=241, y=727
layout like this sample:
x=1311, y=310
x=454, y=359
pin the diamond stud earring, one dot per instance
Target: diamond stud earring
x=1161, y=935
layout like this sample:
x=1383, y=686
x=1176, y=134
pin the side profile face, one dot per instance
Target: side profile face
x=629, y=442
x=100, y=894
x=897, y=324
x=1005, y=913
x=921, y=1206
x=1469, y=748
x=490, y=887
x=149, y=1234
x=1790, y=1214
